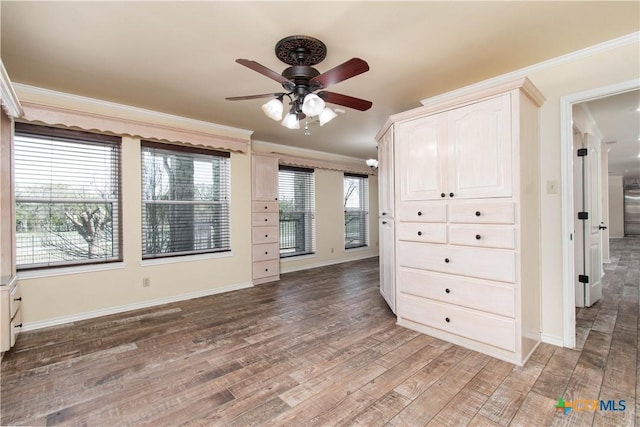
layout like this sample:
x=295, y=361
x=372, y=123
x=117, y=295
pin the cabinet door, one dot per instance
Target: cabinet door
x=422, y=157
x=264, y=182
x=387, y=262
x=385, y=174
x=480, y=149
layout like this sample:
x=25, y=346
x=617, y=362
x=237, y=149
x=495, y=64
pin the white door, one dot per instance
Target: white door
x=421, y=146
x=480, y=149
x=387, y=262
x=590, y=275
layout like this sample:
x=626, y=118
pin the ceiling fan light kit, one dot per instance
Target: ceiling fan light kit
x=301, y=82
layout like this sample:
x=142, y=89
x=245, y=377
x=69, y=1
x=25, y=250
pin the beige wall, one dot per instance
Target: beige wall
x=616, y=207
x=600, y=69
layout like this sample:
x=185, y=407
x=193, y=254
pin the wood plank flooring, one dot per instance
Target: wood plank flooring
x=318, y=348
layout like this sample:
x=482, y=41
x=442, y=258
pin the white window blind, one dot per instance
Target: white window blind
x=297, y=211
x=356, y=211
x=67, y=195
x=185, y=200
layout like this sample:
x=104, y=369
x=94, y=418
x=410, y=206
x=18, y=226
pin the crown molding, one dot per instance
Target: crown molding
x=524, y=72
x=306, y=152
x=8, y=96
x=128, y=110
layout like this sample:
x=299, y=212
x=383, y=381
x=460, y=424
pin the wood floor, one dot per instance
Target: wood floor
x=318, y=348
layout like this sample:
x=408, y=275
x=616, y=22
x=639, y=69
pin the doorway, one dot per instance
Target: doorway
x=569, y=208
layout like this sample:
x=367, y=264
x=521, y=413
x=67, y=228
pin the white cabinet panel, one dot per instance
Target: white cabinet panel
x=385, y=175
x=480, y=149
x=422, y=157
x=387, y=262
x=422, y=211
x=265, y=178
x=422, y=232
x=482, y=212
x=483, y=236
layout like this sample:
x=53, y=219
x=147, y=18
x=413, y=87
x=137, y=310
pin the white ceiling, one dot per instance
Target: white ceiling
x=178, y=57
x=618, y=120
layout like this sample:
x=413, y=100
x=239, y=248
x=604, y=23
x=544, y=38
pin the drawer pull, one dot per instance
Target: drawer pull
x=450, y=194
x=478, y=213
x=384, y=222
x=266, y=207
x=18, y=299
x=266, y=235
x=384, y=213
x=19, y=325
x=442, y=195
x=478, y=237
x=266, y=269
x=446, y=319
x=266, y=252
x=446, y=260
x=266, y=219
x=448, y=290
x=419, y=233
x=419, y=213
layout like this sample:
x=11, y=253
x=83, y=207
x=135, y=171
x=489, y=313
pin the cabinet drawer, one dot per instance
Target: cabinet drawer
x=492, y=264
x=484, y=236
x=422, y=232
x=266, y=268
x=265, y=252
x=259, y=219
x=264, y=235
x=422, y=211
x=473, y=293
x=482, y=212
x=493, y=330
x=15, y=300
x=264, y=207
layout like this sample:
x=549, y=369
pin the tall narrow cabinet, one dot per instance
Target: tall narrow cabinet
x=466, y=217
x=386, y=218
x=265, y=220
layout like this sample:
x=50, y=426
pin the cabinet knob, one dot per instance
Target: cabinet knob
x=266, y=219
x=446, y=260
x=266, y=269
x=18, y=299
x=266, y=252
x=478, y=213
x=478, y=237
x=419, y=213
x=266, y=235
x=450, y=194
x=446, y=319
x=384, y=222
x=419, y=233
x=275, y=198
x=266, y=207
x=442, y=195
x=448, y=290
x=384, y=213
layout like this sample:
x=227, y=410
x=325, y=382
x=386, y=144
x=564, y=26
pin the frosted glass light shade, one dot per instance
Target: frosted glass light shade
x=326, y=116
x=312, y=105
x=273, y=109
x=372, y=163
x=291, y=121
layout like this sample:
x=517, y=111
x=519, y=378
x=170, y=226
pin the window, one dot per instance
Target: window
x=356, y=211
x=185, y=200
x=297, y=206
x=67, y=194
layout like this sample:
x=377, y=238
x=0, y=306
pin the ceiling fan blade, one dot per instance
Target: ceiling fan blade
x=345, y=100
x=264, y=95
x=344, y=71
x=263, y=70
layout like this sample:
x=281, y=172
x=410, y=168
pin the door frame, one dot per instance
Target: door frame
x=566, y=173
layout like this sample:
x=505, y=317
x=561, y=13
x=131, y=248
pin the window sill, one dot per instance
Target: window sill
x=66, y=271
x=185, y=258
x=298, y=257
x=358, y=248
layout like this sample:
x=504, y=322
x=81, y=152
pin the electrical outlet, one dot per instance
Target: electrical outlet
x=146, y=282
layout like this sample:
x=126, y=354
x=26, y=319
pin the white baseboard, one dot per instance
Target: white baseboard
x=30, y=326
x=325, y=263
x=551, y=339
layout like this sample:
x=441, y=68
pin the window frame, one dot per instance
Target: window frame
x=308, y=215
x=71, y=136
x=362, y=211
x=146, y=145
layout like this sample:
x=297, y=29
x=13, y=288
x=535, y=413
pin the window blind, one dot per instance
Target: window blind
x=297, y=210
x=356, y=210
x=185, y=200
x=67, y=197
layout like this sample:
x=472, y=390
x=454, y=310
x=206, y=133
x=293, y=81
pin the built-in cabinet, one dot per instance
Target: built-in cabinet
x=386, y=227
x=265, y=219
x=10, y=314
x=466, y=244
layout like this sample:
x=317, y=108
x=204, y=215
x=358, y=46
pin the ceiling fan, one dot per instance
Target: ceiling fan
x=300, y=81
